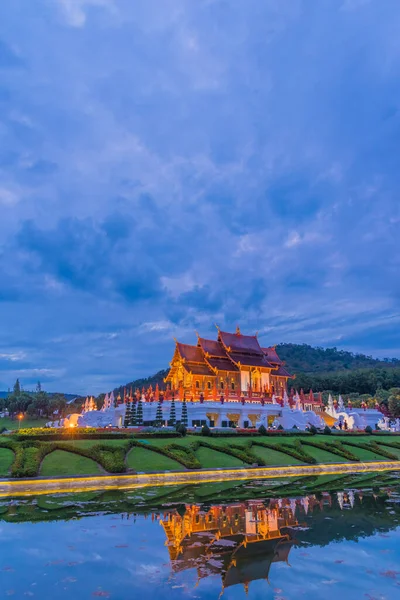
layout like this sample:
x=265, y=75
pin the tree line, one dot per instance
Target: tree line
x=36, y=404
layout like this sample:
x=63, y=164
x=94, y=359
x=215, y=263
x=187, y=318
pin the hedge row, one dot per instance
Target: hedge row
x=72, y=434
x=296, y=451
x=334, y=448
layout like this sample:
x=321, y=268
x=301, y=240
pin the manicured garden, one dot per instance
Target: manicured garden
x=63, y=454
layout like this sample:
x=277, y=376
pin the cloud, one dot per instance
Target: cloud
x=208, y=162
x=75, y=11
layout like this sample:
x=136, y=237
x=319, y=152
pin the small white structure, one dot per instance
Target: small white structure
x=354, y=418
x=213, y=413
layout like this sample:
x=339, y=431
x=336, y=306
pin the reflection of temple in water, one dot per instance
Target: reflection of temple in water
x=241, y=541
x=238, y=541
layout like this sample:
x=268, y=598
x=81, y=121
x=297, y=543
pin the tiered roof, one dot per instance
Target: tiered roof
x=228, y=353
x=194, y=361
x=243, y=350
x=216, y=356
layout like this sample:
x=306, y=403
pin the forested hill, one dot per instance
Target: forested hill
x=321, y=369
x=301, y=358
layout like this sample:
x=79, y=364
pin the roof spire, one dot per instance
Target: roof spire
x=238, y=330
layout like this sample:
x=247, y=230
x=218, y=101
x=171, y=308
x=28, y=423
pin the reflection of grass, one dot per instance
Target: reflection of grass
x=6, y=460
x=25, y=423
x=67, y=463
x=141, y=459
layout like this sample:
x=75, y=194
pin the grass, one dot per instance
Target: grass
x=91, y=443
x=60, y=462
x=323, y=456
x=141, y=459
x=211, y=459
x=25, y=423
x=365, y=455
x=6, y=460
x=274, y=457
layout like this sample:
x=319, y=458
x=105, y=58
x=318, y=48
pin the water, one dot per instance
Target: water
x=325, y=537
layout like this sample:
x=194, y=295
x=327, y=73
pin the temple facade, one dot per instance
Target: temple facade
x=233, y=365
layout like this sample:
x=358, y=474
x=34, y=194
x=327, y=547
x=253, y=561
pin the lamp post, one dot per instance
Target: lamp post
x=20, y=417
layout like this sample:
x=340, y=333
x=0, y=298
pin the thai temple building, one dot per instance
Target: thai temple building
x=229, y=382
x=234, y=365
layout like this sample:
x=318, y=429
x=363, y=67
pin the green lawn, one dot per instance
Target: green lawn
x=141, y=459
x=67, y=463
x=212, y=459
x=365, y=455
x=90, y=443
x=323, y=456
x=274, y=457
x=25, y=423
x=6, y=460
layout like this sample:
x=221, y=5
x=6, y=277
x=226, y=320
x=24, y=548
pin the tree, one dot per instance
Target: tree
x=38, y=387
x=159, y=415
x=205, y=430
x=133, y=420
x=128, y=414
x=394, y=405
x=262, y=430
x=184, y=415
x=139, y=413
x=172, y=413
x=17, y=388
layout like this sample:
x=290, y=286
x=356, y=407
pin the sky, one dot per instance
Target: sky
x=170, y=165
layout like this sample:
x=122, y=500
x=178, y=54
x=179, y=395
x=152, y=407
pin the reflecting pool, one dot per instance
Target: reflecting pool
x=317, y=537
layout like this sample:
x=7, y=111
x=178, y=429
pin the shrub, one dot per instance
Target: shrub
x=206, y=431
x=368, y=429
x=313, y=430
x=327, y=430
x=262, y=430
x=181, y=429
x=280, y=428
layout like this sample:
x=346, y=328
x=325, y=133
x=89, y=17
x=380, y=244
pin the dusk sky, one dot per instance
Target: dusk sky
x=166, y=165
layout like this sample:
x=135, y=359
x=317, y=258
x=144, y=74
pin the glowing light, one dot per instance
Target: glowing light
x=71, y=425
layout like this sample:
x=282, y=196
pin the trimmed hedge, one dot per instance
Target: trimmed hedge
x=334, y=447
x=71, y=434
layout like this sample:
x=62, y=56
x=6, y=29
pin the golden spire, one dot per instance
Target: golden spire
x=238, y=330
x=246, y=588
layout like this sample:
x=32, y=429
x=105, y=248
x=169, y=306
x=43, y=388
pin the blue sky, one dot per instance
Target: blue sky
x=167, y=165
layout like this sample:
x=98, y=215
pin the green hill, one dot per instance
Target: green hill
x=302, y=358
x=320, y=369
